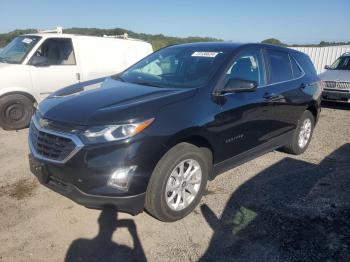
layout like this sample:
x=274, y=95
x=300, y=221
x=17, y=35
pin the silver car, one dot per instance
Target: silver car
x=337, y=80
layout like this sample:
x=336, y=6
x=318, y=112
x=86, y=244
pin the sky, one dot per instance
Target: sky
x=291, y=21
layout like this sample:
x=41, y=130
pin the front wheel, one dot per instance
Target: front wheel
x=302, y=135
x=178, y=182
x=16, y=111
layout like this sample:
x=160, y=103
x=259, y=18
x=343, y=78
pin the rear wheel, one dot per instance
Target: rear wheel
x=178, y=182
x=15, y=111
x=302, y=135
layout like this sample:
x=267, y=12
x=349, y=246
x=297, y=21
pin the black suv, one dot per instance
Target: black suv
x=152, y=136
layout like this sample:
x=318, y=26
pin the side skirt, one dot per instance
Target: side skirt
x=251, y=154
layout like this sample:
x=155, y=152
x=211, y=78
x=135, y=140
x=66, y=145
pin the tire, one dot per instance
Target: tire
x=163, y=176
x=297, y=148
x=16, y=111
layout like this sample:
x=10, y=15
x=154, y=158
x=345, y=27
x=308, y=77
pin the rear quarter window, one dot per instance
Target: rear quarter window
x=297, y=72
x=306, y=64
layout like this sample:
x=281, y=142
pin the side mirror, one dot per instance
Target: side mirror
x=235, y=85
x=39, y=61
x=326, y=67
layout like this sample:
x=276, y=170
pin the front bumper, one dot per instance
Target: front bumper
x=84, y=176
x=336, y=95
x=132, y=204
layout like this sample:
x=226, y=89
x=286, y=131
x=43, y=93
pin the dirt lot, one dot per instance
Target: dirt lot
x=275, y=208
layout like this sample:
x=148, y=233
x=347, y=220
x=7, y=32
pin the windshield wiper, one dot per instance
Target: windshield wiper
x=118, y=77
x=145, y=83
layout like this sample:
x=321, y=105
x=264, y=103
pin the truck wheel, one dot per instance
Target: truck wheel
x=15, y=111
x=178, y=182
x=302, y=135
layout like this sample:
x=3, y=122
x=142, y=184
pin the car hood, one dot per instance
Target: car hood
x=108, y=101
x=336, y=75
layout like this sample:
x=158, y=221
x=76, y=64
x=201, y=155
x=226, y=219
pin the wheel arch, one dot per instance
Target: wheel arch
x=31, y=97
x=198, y=140
x=21, y=91
x=313, y=108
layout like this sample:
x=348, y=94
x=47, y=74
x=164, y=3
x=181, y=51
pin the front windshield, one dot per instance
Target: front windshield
x=342, y=63
x=18, y=48
x=176, y=67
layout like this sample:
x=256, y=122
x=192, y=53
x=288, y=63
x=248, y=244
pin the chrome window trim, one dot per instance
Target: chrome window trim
x=78, y=144
x=290, y=80
x=293, y=79
x=277, y=82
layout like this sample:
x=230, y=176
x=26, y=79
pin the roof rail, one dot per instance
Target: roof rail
x=346, y=54
x=123, y=36
x=58, y=30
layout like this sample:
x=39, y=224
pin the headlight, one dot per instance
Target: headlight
x=100, y=134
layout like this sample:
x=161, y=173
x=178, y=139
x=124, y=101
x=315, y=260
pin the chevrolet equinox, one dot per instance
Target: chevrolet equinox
x=152, y=136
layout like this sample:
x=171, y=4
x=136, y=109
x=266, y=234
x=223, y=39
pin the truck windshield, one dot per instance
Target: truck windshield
x=342, y=63
x=176, y=67
x=18, y=48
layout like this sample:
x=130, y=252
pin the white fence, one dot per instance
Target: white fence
x=322, y=56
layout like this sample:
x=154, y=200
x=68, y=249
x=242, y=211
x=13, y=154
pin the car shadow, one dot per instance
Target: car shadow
x=336, y=105
x=101, y=247
x=291, y=211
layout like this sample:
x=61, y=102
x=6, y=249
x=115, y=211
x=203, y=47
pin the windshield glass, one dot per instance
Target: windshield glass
x=342, y=63
x=17, y=49
x=176, y=67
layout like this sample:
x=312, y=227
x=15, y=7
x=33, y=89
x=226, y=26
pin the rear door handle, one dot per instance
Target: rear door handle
x=269, y=95
x=272, y=97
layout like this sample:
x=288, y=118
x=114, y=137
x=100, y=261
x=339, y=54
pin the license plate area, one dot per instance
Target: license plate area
x=58, y=183
x=38, y=169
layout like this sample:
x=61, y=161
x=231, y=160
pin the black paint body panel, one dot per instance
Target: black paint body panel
x=236, y=127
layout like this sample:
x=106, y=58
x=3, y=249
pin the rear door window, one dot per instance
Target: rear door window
x=280, y=66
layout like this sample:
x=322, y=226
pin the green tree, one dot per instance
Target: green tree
x=273, y=41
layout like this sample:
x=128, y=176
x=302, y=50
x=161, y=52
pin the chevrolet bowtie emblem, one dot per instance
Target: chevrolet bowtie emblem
x=43, y=123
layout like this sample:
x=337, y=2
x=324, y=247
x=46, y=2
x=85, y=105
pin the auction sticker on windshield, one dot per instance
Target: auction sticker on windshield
x=27, y=40
x=205, y=54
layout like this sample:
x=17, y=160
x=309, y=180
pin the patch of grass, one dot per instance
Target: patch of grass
x=242, y=219
x=20, y=189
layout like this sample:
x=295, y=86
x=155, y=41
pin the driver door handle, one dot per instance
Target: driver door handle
x=78, y=76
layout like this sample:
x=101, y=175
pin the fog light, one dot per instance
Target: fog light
x=120, y=177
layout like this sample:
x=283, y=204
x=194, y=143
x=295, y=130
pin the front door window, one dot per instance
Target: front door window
x=54, y=51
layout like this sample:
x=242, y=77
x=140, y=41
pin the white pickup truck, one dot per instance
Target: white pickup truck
x=33, y=66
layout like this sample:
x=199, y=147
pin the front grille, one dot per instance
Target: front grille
x=337, y=85
x=49, y=145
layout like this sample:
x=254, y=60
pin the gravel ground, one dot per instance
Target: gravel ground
x=277, y=207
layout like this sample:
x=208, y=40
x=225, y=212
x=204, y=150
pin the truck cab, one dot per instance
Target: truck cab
x=33, y=66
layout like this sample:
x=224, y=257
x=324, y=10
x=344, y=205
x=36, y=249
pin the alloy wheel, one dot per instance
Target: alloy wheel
x=305, y=133
x=183, y=184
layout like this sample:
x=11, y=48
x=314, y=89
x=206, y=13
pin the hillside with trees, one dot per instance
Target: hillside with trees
x=157, y=41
